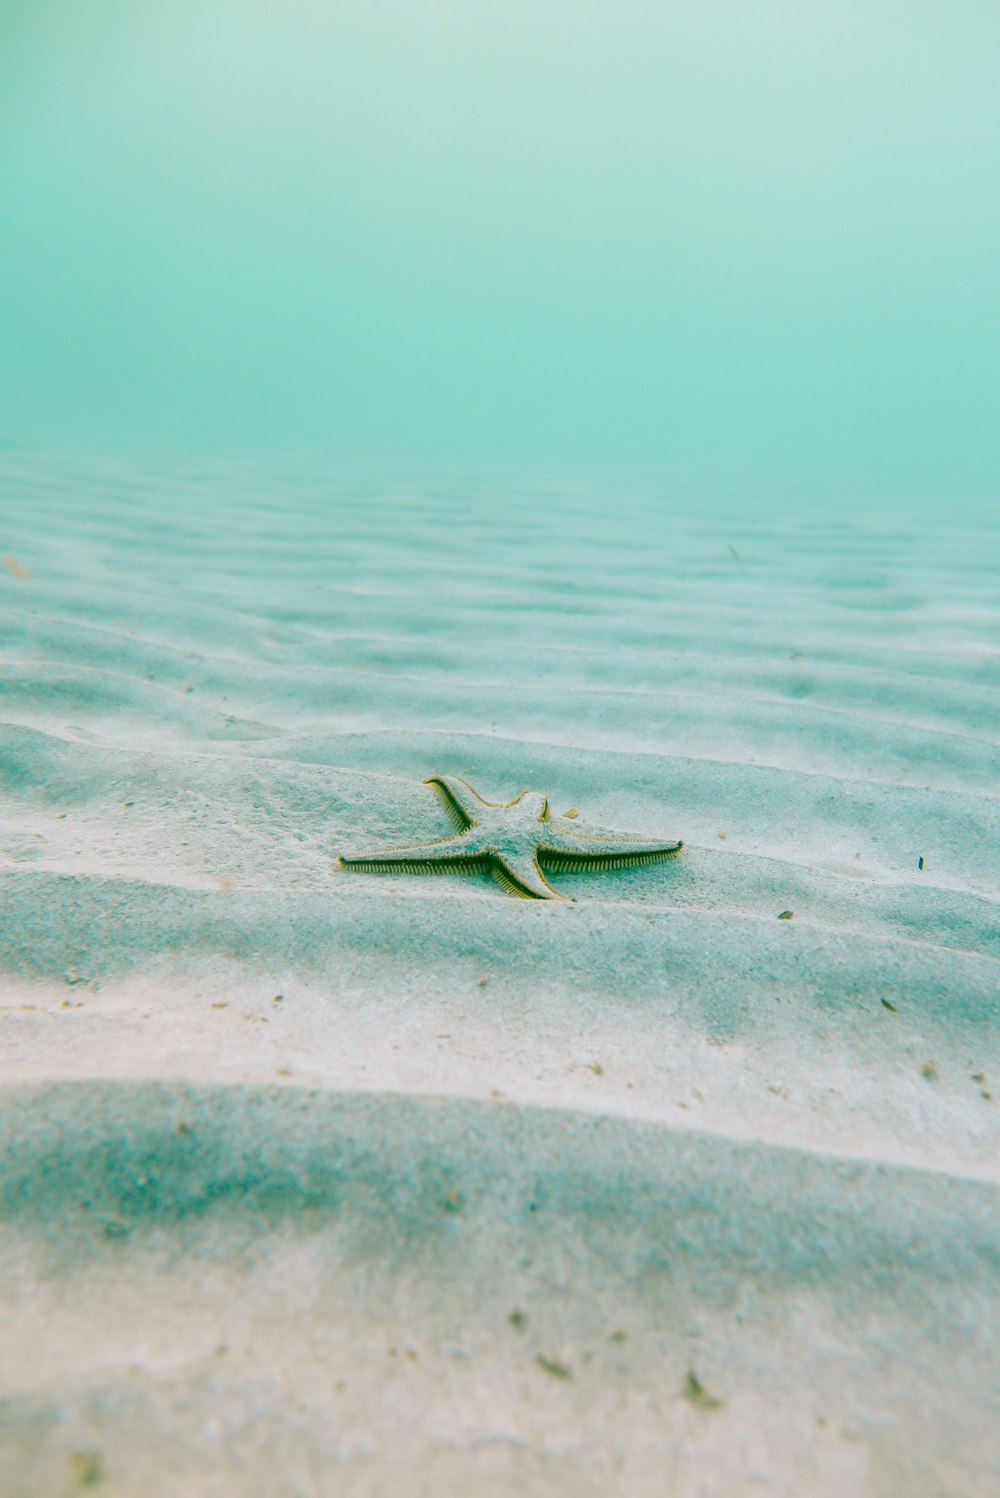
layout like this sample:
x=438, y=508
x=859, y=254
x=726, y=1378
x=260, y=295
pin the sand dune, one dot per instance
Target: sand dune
x=734, y=1177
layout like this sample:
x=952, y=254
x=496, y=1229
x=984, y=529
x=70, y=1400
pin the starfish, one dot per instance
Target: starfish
x=510, y=839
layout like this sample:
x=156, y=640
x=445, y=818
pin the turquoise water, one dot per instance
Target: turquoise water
x=756, y=240
x=599, y=399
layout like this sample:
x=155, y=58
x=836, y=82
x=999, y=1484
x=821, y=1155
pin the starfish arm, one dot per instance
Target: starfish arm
x=520, y=875
x=462, y=801
x=565, y=849
x=460, y=850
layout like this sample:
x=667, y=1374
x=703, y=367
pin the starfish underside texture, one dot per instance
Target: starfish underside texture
x=511, y=840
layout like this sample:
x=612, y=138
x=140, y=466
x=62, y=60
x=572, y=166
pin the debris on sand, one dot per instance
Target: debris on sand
x=696, y=1393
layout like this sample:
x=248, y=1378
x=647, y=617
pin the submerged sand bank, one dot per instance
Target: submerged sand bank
x=346, y=1127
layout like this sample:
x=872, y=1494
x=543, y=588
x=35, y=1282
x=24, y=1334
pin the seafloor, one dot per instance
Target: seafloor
x=316, y=1182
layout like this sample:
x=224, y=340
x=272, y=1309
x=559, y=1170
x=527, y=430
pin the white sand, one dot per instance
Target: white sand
x=262, y=1244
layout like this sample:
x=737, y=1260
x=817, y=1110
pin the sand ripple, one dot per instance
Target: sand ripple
x=329, y=1283
x=762, y=1150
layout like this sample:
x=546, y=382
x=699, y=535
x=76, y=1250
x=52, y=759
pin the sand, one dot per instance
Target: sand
x=321, y=1182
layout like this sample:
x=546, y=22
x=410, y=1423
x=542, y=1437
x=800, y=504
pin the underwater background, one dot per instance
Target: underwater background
x=600, y=399
x=753, y=240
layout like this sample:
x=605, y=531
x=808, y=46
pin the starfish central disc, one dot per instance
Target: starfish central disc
x=511, y=839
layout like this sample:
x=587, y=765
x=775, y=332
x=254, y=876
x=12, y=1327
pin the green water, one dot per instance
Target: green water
x=755, y=238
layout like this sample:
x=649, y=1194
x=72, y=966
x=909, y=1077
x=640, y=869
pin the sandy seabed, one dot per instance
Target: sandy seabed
x=316, y=1182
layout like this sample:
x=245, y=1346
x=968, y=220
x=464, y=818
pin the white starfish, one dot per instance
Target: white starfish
x=510, y=839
